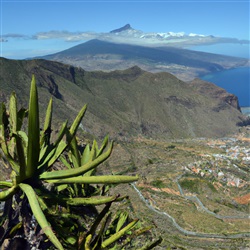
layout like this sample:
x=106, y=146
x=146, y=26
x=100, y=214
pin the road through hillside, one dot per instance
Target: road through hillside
x=191, y=233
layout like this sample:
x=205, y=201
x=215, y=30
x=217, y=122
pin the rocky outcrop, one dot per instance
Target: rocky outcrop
x=217, y=93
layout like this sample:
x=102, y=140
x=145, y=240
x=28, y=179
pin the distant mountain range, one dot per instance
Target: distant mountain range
x=125, y=103
x=178, y=39
x=129, y=35
x=107, y=56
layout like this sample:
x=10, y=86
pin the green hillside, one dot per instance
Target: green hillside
x=126, y=103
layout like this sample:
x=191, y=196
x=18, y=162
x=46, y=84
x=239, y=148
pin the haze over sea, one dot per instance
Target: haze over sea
x=235, y=81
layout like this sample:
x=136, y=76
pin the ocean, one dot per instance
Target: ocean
x=235, y=81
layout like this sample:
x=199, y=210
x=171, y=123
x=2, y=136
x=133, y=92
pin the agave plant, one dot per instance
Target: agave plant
x=51, y=193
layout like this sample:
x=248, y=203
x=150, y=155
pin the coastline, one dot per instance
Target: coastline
x=235, y=80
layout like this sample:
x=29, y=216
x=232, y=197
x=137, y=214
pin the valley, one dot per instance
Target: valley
x=192, y=192
x=195, y=191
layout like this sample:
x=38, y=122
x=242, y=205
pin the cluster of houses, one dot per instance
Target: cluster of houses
x=223, y=168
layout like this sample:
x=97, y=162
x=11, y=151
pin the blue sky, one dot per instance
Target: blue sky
x=33, y=28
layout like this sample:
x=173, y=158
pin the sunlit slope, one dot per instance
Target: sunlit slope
x=125, y=103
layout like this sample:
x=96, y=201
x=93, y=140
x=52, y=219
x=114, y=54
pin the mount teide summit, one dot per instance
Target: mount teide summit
x=125, y=27
x=126, y=103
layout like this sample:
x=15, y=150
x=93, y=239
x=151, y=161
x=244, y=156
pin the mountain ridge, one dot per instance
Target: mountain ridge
x=125, y=103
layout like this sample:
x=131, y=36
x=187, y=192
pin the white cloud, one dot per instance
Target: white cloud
x=65, y=35
x=130, y=36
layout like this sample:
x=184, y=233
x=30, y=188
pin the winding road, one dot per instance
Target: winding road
x=199, y=203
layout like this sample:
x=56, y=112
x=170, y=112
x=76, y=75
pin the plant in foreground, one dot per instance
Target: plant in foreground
x=59, y=202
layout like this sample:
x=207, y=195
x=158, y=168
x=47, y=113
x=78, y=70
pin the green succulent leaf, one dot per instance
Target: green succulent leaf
x=106, y=179
x=152, y=244
x=56, y=153
x=4, y=184
x=64, y=161
x=39, y=215
x=21, y=156
x=33, y=132
x=92, y=156
x=99, y=218
x=13, y=113
x=75, y=152
x=15, y=228
x=67, y=173
x=103, y=146
x=3, y=142
x=50, y=153
x=6, y=194
x=86, y=155
x=118, y=235
x=98, y=200
x=61, y=133
x=122, y=219
x=45, y=137
x=87, y=242
x=98, y=240
x=77, y=121
x=5, y=151
x=93, y=150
